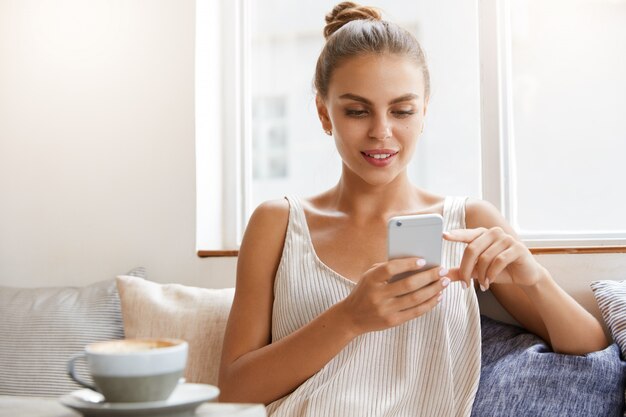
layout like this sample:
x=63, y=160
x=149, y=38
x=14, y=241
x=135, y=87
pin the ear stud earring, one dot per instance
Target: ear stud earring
x=329, y=132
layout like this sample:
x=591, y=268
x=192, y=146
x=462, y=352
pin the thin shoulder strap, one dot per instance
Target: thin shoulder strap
x=454, y=212
x=453, y=218
x=297, y=221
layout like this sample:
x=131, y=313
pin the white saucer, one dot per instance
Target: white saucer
x=183, y=402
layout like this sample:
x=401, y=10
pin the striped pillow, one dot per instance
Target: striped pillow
x=139, y=272
x=611, y=298
x=41, y=328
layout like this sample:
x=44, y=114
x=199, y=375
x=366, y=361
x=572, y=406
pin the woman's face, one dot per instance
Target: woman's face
x=375, y=108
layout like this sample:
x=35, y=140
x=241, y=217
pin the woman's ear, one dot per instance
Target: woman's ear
x=322, y=112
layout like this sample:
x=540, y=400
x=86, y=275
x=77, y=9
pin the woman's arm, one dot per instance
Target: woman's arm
x=252, y=369
x=523, y=286
x=255, y=370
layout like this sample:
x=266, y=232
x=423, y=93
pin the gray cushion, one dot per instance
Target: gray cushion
x=522, y=377
x=41, y=328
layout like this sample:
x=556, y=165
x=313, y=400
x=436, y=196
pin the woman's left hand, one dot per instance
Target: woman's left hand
x=492, y=255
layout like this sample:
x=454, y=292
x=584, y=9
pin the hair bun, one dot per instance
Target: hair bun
x=348, y=11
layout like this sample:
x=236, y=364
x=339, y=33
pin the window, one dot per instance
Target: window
x=272, y=143
x=569, y=103
x=270, y=156
x=561, y=96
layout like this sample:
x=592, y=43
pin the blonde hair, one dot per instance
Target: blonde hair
x=352, y=30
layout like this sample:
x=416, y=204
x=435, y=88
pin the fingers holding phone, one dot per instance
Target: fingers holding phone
x=376, y=303
x=412, y=303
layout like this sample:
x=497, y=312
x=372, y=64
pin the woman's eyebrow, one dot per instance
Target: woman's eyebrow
x=406, y=97
x=354, y=97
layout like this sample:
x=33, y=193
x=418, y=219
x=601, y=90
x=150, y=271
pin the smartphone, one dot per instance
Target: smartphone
x=418, y=235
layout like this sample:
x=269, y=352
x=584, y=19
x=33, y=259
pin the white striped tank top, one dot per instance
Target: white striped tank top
x=429, y=366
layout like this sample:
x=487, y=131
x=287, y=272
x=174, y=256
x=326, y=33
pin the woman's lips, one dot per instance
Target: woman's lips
x=379, y=157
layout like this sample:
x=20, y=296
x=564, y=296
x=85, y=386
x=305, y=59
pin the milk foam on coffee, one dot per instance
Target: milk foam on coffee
x=130, y=346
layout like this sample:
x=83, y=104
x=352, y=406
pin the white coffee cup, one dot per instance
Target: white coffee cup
x=133, y=370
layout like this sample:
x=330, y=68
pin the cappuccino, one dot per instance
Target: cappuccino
x=134, y=370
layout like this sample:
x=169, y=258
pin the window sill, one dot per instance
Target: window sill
x=217, y=253
x=535, y=251
x=577, y=250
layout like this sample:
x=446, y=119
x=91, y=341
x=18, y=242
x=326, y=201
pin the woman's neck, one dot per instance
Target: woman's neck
x=363, y=201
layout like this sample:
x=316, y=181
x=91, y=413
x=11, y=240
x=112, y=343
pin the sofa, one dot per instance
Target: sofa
x=42, y=327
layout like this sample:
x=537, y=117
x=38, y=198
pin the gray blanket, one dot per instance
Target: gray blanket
x=521, y=377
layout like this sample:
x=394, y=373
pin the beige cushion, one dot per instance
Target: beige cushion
x=197, y=315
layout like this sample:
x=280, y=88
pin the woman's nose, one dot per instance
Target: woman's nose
x=380, y=129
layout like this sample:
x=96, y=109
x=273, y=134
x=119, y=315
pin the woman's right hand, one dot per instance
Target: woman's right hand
x=377, y=304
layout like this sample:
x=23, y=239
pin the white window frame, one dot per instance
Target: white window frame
x=223, y=122
x=223, y=137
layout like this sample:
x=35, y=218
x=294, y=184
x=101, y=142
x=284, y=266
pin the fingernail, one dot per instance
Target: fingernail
x=443, y=272
x=482, y=288
x=440, y=297
x=445, y=282
x=464, y=285
x=487, y=282
x=421, y=262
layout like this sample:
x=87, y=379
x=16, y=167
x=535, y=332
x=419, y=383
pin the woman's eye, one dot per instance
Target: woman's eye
x=356, y=113
x=403, y=113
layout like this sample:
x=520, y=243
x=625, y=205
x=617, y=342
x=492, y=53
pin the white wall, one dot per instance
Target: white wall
x=97, y=170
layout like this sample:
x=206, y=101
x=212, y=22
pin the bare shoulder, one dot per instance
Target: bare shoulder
x=481, y=213
x=266, y=231
x=270, y=214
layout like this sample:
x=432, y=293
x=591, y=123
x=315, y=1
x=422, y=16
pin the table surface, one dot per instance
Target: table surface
x=51, y=407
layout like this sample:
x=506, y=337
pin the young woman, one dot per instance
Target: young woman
x=316, y=329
